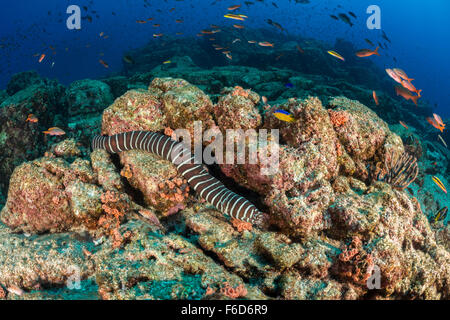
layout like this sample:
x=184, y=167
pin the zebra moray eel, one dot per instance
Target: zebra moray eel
x=209, y=188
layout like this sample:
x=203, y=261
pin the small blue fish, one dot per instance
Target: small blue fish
x=289, y=85
x=284, y=116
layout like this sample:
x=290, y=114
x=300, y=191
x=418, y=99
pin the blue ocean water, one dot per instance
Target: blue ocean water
x=419, y=33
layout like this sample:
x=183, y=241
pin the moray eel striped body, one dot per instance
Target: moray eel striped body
x=209, y=188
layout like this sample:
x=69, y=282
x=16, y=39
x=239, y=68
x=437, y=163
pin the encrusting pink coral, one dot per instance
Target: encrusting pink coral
x=338, y=118
x=2, y=293
x=115, y=209
x=241, y=225
x=233, y=293
x=355, y=262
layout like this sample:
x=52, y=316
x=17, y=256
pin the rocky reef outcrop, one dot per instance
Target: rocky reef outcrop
x=21, y=140
x=129, y=227
x=76, y=110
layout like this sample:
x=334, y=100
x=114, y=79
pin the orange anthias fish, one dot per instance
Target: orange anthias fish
x=238, y=26
x=405, y=93
x=41, y=58
x=435, y=124
x=103, y=63
x=157, y=35
x=55, y=131
x=404, y=125
x=439, y=120
x=375, y=98
x=234, y=7
x=265, y=44
x=32, y=118
x=211, y=31
x=367, y=52
x=439, y=184
x=141, y=21
x=300, y=49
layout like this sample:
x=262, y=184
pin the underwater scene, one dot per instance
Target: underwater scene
x=224, y=150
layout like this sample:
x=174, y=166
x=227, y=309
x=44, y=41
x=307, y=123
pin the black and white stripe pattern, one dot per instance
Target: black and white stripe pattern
x=209, y=188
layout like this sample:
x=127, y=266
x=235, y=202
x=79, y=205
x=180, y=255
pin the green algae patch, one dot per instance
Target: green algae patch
x=188, y=288
x=3, y=138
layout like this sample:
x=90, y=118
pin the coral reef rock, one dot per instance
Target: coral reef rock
x=129, y=227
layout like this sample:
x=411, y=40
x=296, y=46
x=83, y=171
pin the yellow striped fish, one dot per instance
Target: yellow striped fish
x=284, y=116
x=439, y=184
x=239, y=17
x=441, y=215
x=336, y=55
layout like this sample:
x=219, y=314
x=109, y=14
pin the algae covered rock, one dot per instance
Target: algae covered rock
x=117, y=84
x=237, y=110
x=66, y=148
x=332, y=226
x=135, y=110
x=184, y=104
x=312, y=132
x=21, y=140
x=3, y=96
x=27, y=269
x=88, y=96
x=22, y=81
x=36, y=201
x=359, y=129
x=162, y=187
x=155, y=267
x=51, y=195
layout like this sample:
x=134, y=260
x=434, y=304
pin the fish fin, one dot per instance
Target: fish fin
x=414, y=99
x=418, y=93
x=376, y=51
